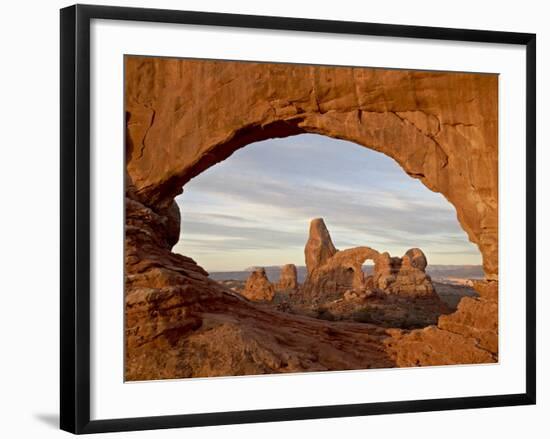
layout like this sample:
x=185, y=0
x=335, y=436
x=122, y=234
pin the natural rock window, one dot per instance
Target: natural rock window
x=186, y=116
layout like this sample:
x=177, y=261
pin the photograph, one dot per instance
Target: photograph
x=267, y=220
x=298, y=218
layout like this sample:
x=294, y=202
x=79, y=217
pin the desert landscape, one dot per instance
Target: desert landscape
x=336, y=285
x=333, y=309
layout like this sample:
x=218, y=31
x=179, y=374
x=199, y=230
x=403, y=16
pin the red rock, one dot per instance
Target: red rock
x=184, y=116
x=258, y=287
x=288, y=280
x=441, y=128
x=319, y=247
x=341, y=272
x=404, y=276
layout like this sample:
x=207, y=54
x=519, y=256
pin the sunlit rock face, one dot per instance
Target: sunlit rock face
x=258, y=287
x=405, y=276
x=319, y=247
x=288, y=280
x=329, y=277
x=184, y=116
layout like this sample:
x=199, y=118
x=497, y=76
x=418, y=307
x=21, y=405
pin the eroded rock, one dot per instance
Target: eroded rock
x=403, y=276
x=319, y=247
x=258, y=287
x=343, y=271
x=288, y=280
x=442, y=128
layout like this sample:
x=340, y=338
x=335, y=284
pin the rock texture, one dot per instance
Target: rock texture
x=339, y=273
x=469, y=335
x=329, y=277
x=319, y=247
x=403, y=276
x=416, y=258
x=442, y=128
x=288, y=280
x=184, y=116
x=258, y=287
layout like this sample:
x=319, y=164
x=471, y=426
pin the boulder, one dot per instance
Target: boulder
x=416, y=258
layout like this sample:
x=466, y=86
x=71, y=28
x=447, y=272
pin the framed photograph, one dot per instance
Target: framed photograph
x=275, y=218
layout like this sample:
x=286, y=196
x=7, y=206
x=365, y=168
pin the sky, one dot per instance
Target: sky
x=254, y=208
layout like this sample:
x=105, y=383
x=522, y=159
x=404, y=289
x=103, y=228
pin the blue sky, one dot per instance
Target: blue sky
x=254, y=208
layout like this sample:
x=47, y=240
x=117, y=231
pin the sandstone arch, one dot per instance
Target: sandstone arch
x=342, y=271
x=184, y=116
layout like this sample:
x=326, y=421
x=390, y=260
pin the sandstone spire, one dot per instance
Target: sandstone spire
x=258, y=287
x=319, y=246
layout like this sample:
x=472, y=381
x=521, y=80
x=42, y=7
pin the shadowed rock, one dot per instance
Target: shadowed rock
x=416, y=258
x=442, y=128
x=343, y=271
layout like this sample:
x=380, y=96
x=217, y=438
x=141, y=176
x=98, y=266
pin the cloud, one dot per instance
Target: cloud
x=262, y=198
x=234, y=237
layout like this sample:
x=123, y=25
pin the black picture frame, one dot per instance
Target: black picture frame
x=75, y=217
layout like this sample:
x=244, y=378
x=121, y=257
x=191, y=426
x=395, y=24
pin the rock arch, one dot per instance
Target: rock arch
x=186, y=115
x=183, y=116
x=340, y=272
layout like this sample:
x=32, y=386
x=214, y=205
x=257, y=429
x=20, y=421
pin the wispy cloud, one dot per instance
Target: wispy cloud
x=259, y=202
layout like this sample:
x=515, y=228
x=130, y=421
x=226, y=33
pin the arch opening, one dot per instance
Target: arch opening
x=253, y=209
x=288, y=181
x=424, y=160
x=184, y=116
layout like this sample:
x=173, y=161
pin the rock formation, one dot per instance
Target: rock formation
x=404, y=276
x=416, y=258
x=339, y=273
x=319, y=246
x=442, y=128
x=343, y=271
x=288, y=280
x=258, y=288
